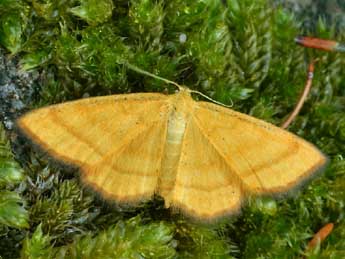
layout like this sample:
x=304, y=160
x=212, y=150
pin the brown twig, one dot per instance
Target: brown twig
x=303, y=96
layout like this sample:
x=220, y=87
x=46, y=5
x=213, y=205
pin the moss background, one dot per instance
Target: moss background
x=240, y=50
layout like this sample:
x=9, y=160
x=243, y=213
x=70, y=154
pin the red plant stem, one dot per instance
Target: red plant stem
x=302, y=98
x=320, y=236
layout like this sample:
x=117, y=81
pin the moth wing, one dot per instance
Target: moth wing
x=116, y=141
x=205, y=187
x=266, y=158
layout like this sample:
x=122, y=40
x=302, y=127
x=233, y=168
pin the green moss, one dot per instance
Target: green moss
x=234, y=51
x=94, y=11
x=14, y=216
x=13, y=22
x=130, y=239
x=37, y=247
x=12, y=210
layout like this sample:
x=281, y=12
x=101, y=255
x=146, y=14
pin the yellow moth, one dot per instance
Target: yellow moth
x=202, y=158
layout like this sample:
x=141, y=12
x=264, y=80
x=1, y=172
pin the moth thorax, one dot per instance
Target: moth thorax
x=172, y=152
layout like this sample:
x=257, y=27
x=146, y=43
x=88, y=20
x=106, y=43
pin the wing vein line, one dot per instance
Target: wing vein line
x=224, y=157
x=215, y=147
x=70, y=130
x=251, y=168
x=121, y=149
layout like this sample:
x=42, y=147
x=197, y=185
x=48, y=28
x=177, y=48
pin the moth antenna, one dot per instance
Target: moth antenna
x=212, y=100
x=144, y=72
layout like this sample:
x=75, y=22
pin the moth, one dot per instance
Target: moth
x=202, y=158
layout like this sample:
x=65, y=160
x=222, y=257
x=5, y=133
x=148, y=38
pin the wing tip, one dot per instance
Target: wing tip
x=32, y=140
x=292, y=188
